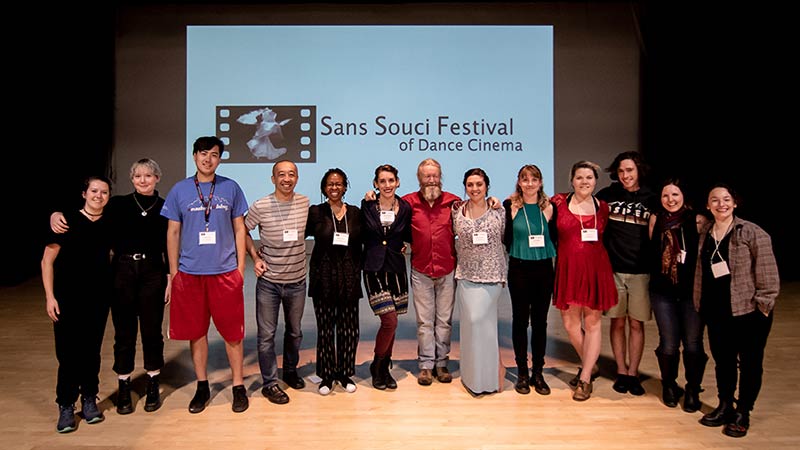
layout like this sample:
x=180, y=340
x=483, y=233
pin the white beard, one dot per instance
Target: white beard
x=431, y=193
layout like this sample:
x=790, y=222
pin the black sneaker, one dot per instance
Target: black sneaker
x=293, y=380
x=621, y=385
x=124, y=402
x=66, y=419
x=635, y=386
x=240, y=402
x=275, y=394
x=153, y=400
x=201, y=398
x=90, y=412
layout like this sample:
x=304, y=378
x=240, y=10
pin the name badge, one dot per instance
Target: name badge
x=480, y=237
x=289, y=235
x=589, y=235
x=340, y=238
x=208, y=238
x=387, y=217
x=682, y=257
x=535, y=240
x=720, y=269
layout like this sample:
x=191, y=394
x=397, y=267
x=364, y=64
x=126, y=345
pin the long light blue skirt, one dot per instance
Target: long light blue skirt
x=480, y=351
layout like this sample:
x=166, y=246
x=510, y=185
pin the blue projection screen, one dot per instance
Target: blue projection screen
x=356, y=97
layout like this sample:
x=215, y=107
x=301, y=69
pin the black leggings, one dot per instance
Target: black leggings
x=530, y=284
x=741, y=340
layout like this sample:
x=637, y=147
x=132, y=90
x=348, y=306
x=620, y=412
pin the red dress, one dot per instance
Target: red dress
x=583, y=271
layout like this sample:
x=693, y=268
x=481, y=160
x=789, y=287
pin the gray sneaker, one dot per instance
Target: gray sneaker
x=91, y=414
x=66, y=419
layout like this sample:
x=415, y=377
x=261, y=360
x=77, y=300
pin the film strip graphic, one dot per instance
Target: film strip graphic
x=265, y=134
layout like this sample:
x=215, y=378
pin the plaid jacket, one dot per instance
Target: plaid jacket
x=754, y=272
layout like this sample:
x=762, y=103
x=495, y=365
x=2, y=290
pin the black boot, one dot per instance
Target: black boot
x=739, y=424
x=391, y=383
x=378, y=378
x=670, y=392
x=153, y=400
x=722, y=414
x=124, y=402
x=523, y=385
x=538, y=383
x=695, y=367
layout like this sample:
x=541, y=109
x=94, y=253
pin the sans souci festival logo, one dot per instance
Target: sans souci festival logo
x=264, y=134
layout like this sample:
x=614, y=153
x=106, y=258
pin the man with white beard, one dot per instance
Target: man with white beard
x=433, y=262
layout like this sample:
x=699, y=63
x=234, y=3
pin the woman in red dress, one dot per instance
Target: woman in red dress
x=584, y=286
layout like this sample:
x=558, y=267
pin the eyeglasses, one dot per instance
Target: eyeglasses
x=334, y=185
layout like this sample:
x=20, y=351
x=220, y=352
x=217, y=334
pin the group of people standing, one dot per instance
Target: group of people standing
x=613, y=253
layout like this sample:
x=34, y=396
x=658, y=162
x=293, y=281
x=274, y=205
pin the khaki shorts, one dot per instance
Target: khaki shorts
x=633, y=293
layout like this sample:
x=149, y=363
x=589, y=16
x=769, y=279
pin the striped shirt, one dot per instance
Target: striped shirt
x=286, y=260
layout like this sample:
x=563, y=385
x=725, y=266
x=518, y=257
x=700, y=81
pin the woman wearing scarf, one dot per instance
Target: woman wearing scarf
x=673, y=230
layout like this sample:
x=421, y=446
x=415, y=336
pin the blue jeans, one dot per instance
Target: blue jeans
x=678, y=322
x=269, y=297
x=434, y=299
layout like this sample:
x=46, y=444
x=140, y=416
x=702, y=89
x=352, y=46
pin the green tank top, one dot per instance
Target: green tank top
x=538, y=225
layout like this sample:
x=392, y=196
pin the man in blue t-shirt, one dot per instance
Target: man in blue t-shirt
x=206, y=248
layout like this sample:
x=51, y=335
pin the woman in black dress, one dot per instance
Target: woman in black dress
x=335, y=281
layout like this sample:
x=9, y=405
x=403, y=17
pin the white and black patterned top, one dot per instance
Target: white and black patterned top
x=480, y=263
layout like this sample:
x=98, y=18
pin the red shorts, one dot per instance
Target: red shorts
x=195, y=299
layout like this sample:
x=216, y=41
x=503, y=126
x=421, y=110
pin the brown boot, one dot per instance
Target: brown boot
x=425, y=377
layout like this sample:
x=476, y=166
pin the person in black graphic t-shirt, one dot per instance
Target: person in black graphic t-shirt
x=626, y=239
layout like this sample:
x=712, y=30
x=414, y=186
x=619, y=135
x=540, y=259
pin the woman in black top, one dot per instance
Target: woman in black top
x=387, y=226
x=335, y=281
x=673, y=230
x=76, y=275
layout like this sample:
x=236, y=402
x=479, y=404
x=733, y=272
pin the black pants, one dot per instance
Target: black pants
x=741, y=340
x=337, y=336
x=79, y=338
x=138, y=303
x=530, y=285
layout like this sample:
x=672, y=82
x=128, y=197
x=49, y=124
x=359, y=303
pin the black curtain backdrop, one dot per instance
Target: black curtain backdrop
x=711, y=87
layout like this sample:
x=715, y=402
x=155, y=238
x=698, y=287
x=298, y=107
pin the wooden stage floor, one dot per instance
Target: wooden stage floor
x=441, y=416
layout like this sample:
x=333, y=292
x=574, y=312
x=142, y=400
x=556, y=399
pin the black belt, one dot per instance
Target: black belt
x=133, y=257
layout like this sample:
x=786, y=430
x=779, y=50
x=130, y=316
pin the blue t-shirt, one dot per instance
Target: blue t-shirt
x=183, y=204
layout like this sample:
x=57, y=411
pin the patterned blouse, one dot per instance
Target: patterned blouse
x=480, y=263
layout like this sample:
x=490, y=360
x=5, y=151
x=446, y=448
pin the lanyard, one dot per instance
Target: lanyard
x=541, y=222
x=717, y=242
x=280, y=214
x=207, y=206
x=333, y=216
x=580, y=217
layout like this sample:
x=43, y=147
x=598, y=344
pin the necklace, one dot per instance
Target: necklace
x=337, y=213
x=144, y=211
x=90, y=214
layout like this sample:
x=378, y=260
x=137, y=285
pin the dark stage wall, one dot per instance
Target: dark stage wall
x=703, y=95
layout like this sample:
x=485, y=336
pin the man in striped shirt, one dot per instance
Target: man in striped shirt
x=280, y=264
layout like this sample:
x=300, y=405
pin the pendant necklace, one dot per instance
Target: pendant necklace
x=144, y=211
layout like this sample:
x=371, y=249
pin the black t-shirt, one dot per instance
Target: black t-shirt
x=626, y=236
x=82, y=266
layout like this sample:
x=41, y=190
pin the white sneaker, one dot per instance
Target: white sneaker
x=348, y=384
x=325, y=387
